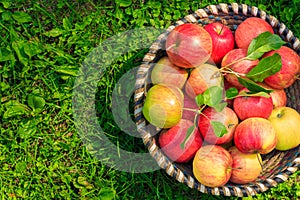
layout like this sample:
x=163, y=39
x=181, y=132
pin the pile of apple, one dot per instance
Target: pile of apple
x=219, y=99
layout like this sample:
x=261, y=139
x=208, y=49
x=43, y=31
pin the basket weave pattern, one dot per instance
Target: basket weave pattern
x=277, y=165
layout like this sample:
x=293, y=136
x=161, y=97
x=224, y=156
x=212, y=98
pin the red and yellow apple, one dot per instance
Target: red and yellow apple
x=163, y=106
x=286, y=122
x=189, y=108
x=212, y=165
x=278, y=96
x=188, y=45
x=227, y=117
x=255, y=135
x=289, y=70
x=230, y=60
x=246, y=167
x=173, y=144
x=201, y=78
x=250, y=29
x=252, y=106
x=165, y=72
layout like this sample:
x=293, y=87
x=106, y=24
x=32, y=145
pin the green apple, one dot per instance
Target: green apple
x=286, y=122
x=163, y=106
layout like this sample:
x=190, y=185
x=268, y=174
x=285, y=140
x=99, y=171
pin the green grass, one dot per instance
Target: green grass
x=43, y=46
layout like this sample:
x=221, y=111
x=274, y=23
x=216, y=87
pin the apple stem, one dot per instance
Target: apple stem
x=221, y=29
x=170, y=47
x=230, y=71
x=190, y=109
x=235, y=168
x=298, y=77
x=236, y=61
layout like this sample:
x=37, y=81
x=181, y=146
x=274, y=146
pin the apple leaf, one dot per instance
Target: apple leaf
x=266, y=67
x=219, y=107
x=250, y=94
x=199, y=100
x=213, y=96
x=231, y=93
x=187, y=136
x=263, y=43
x=252, y=86
x=219, y=128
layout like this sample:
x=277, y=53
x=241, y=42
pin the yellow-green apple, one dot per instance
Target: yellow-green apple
x=163, y=106
x=289, y=70
x=252, y=106
x=230, y=62
x=250, y=29
x=246, y=167
x=165, y=72
x=188, y=45
x=278, y=96
x=255, y=135
x=286, y=122
x=222, y=41
x=212, y=165
x=201, y=78
x=227, y=117
x=173, y=144
x=189, y=108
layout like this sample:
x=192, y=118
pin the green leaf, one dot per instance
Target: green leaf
x=199, y=100
x=252, y=86
x=36, y=102
x=67, y=24
x=21, y=17
x=5, y=4
x=219, y=107
x=54, y=32
x=14, y=108
x=250, y=94
x=69, y=70
x=219, y=128
x=32, y=49
x=123, y=3
x=266, y=67
x=187, y=136
x=27, y=129
x=231, y=93
x=18, y=47
x=263, y=43
x=213, y=96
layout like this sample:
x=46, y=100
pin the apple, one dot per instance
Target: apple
x=164, y=71
x=188, y=45
x=227, y=117
x=278, y=96
x=230, y=61
x=249, y=29
x=171, y=142
x=212, y=165
x=189, y=108
x=163, y=106
x=252, y=106
x=255, y=135
x=222, y=40
x=246, y=167
x=286, y=122
x=289, y=70
x=201, y=78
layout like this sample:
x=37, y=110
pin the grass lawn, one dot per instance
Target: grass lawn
x=43, y=46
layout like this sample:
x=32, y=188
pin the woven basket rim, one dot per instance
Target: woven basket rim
x=163, y=161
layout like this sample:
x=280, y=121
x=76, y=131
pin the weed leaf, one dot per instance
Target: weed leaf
x=21, y=17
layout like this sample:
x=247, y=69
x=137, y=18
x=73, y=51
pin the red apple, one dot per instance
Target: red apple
x=246, y=167
x=250, y=29
x=242, y=67
x=286, y=122
x=189, y=103
x=164, y=71
x=201, y=78
x=289, y=70
x=189, y=45
x=171, y=142
x=227, y=117
x=252, y=106
x=278, y=96
x=222, y=40
x=212, y=165
x=163, y=106
x=255, y=135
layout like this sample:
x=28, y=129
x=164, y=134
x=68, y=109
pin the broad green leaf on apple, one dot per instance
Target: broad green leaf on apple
x=263, y=43
x=265, y=68
x=219, y=128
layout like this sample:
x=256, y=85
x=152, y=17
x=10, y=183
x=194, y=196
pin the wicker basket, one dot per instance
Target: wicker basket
x=277, y=165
